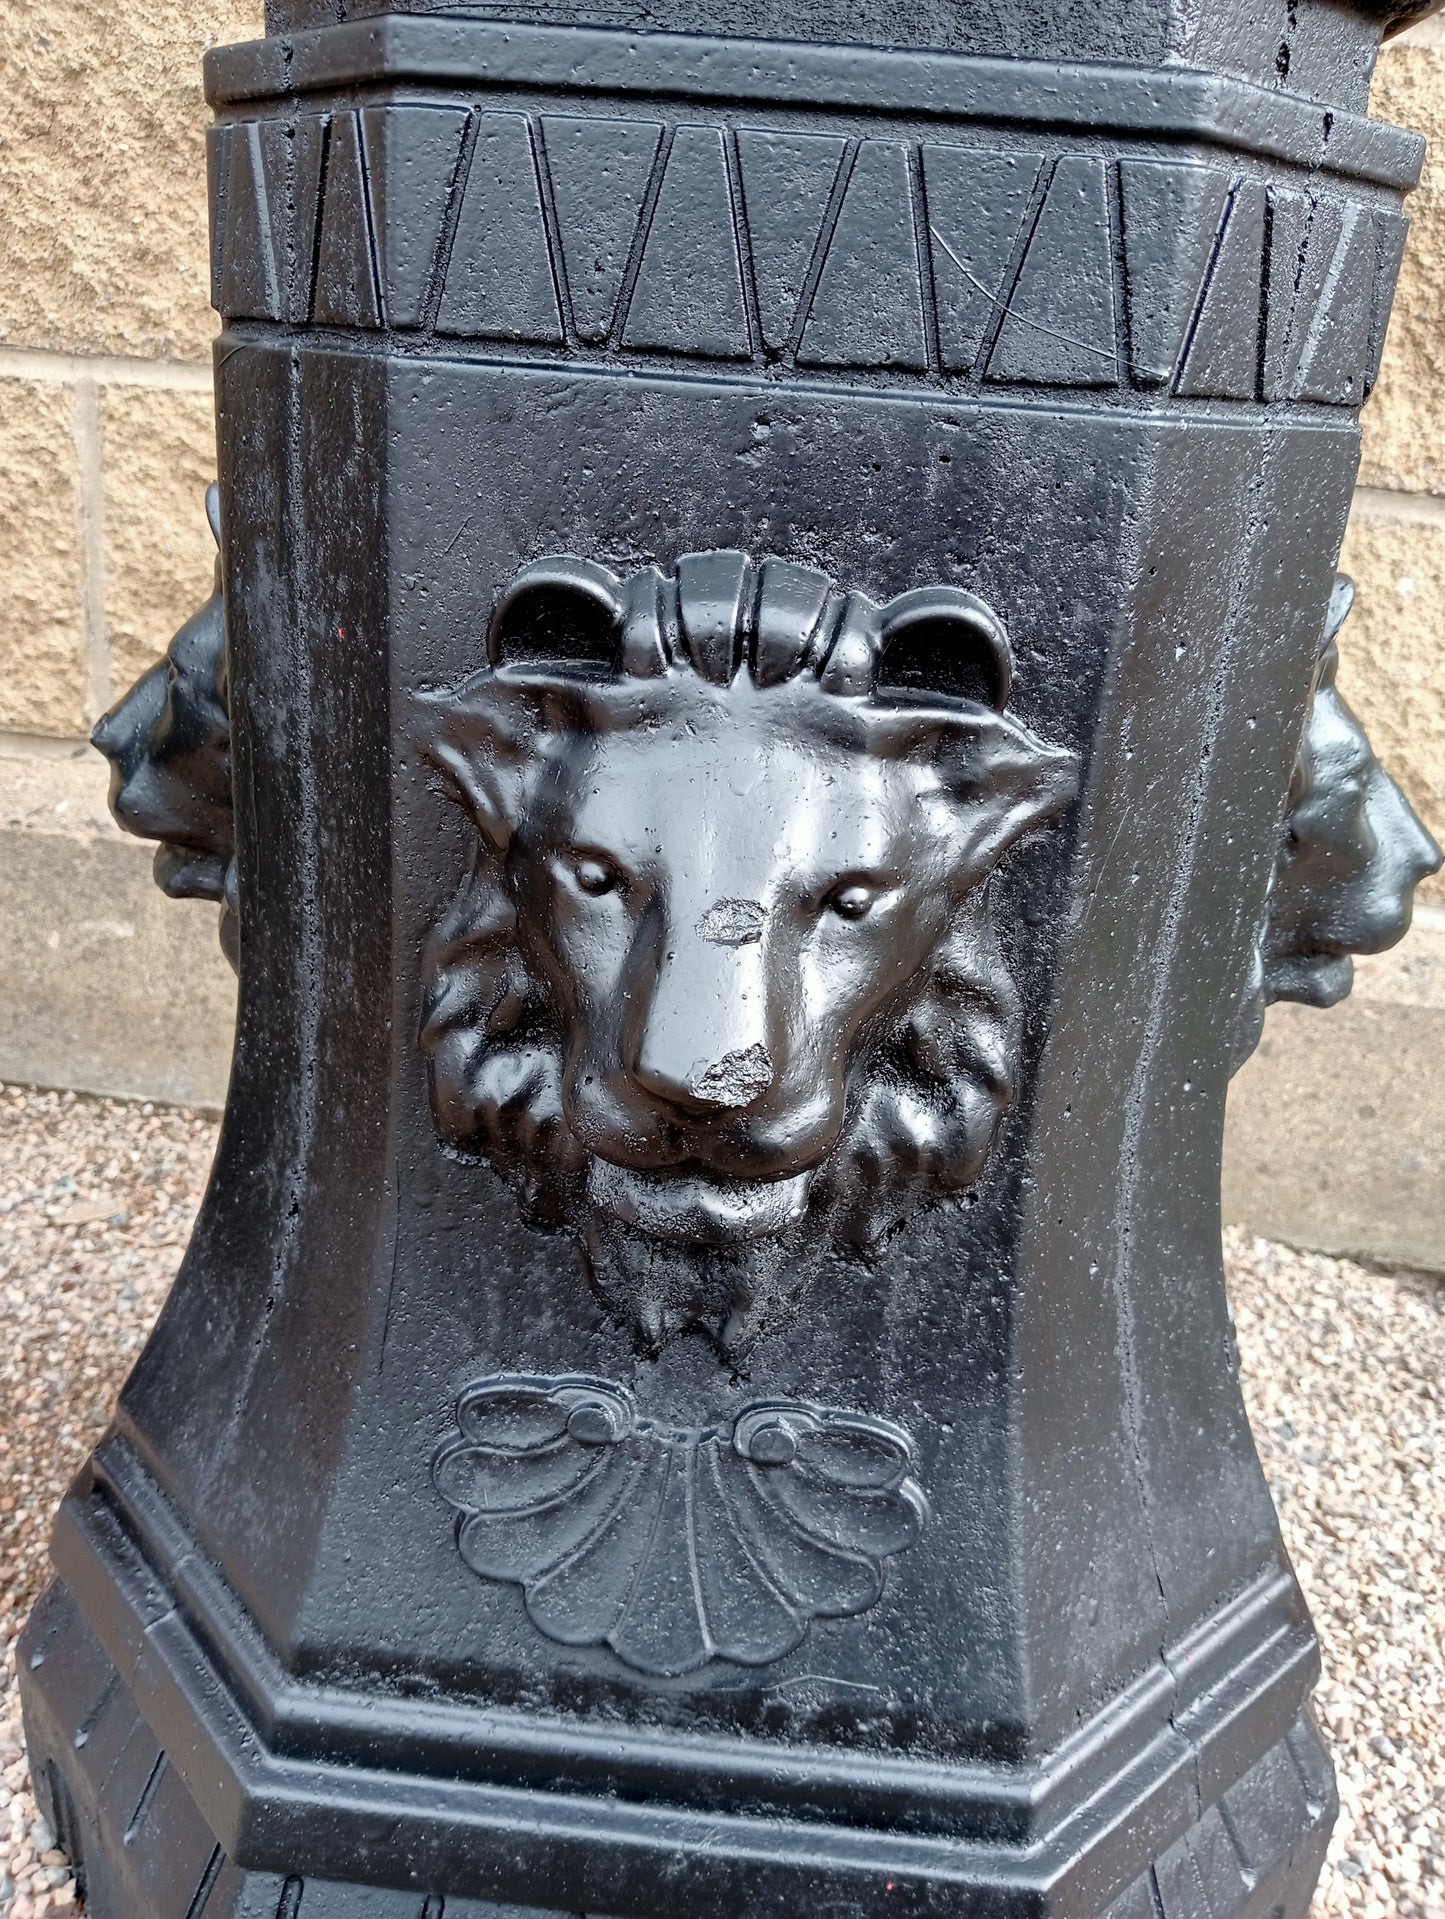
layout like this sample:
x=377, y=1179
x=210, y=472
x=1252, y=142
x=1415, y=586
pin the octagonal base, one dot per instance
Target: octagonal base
x=143, y=1850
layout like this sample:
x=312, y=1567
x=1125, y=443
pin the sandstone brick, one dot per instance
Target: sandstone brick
x=1391, y=659
x=160, y=455
x=103, y=245
x=1404, y=423
x=43, y=666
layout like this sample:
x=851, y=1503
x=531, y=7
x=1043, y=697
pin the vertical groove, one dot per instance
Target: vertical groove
x=551, y=226
x=1181, y=365
x=368, y=222
x=1013, y=272
x=743, y=243
x=1317, y=321
x=1290, y=360
x=308, y=307
x=442, y=252
x=53, y=1631
x=441, y=264
x=90, y=464
x=92, y=1719
x=63, y=1822
x=1266, y=267
x=208, y=1880
x=274, y=294
x=288, y=253
x=1119, y=275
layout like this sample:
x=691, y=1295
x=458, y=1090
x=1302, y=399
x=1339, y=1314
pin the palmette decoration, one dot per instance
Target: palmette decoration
x=676, y=1546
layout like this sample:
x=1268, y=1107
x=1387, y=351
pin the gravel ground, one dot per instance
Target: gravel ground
x=1343, y=1379
x=96, y=1202
x=1340, y=1368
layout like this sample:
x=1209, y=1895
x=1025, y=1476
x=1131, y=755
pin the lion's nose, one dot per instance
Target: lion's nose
x=733, y=1081
x=703, y=1043
x=736, y=1079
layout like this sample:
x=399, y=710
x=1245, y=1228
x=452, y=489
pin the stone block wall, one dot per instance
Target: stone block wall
x=106, y=440
x=106, y=445
x=1392, y=661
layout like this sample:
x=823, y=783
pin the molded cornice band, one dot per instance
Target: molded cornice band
x=1178, y=102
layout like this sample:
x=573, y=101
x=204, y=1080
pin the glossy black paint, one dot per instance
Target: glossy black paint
x=703, y=1380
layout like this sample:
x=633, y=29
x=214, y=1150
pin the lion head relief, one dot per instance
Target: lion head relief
x=1351, y=853
x=721, y=988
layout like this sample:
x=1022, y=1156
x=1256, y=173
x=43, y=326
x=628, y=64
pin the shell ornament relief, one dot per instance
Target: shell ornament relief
x=676, y=1546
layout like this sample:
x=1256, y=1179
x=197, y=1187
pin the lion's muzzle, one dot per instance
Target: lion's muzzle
x=687, y=1208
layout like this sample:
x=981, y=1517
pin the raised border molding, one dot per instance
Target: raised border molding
x=1182, y=102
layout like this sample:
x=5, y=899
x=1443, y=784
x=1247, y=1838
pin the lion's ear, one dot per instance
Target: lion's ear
x=489, y=742
x=557, y=626
x=561, y=613
x=998, y=779
x=1003, y=781
x=940, y=639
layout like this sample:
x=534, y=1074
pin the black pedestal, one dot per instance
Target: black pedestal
x=771, y=592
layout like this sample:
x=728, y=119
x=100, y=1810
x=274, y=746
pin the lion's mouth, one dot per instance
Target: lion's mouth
x=687, y=1207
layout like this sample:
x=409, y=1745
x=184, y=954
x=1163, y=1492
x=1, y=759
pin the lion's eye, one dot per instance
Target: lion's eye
x=851, y=902
x=594, y=876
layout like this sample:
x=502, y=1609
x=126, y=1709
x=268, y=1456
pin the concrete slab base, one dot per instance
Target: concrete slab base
x=1336, y=1132
x=106, y=986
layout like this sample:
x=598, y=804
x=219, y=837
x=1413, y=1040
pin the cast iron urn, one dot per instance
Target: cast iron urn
x=766, y=731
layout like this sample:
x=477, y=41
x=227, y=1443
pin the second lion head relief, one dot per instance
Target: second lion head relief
x=721, y=991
